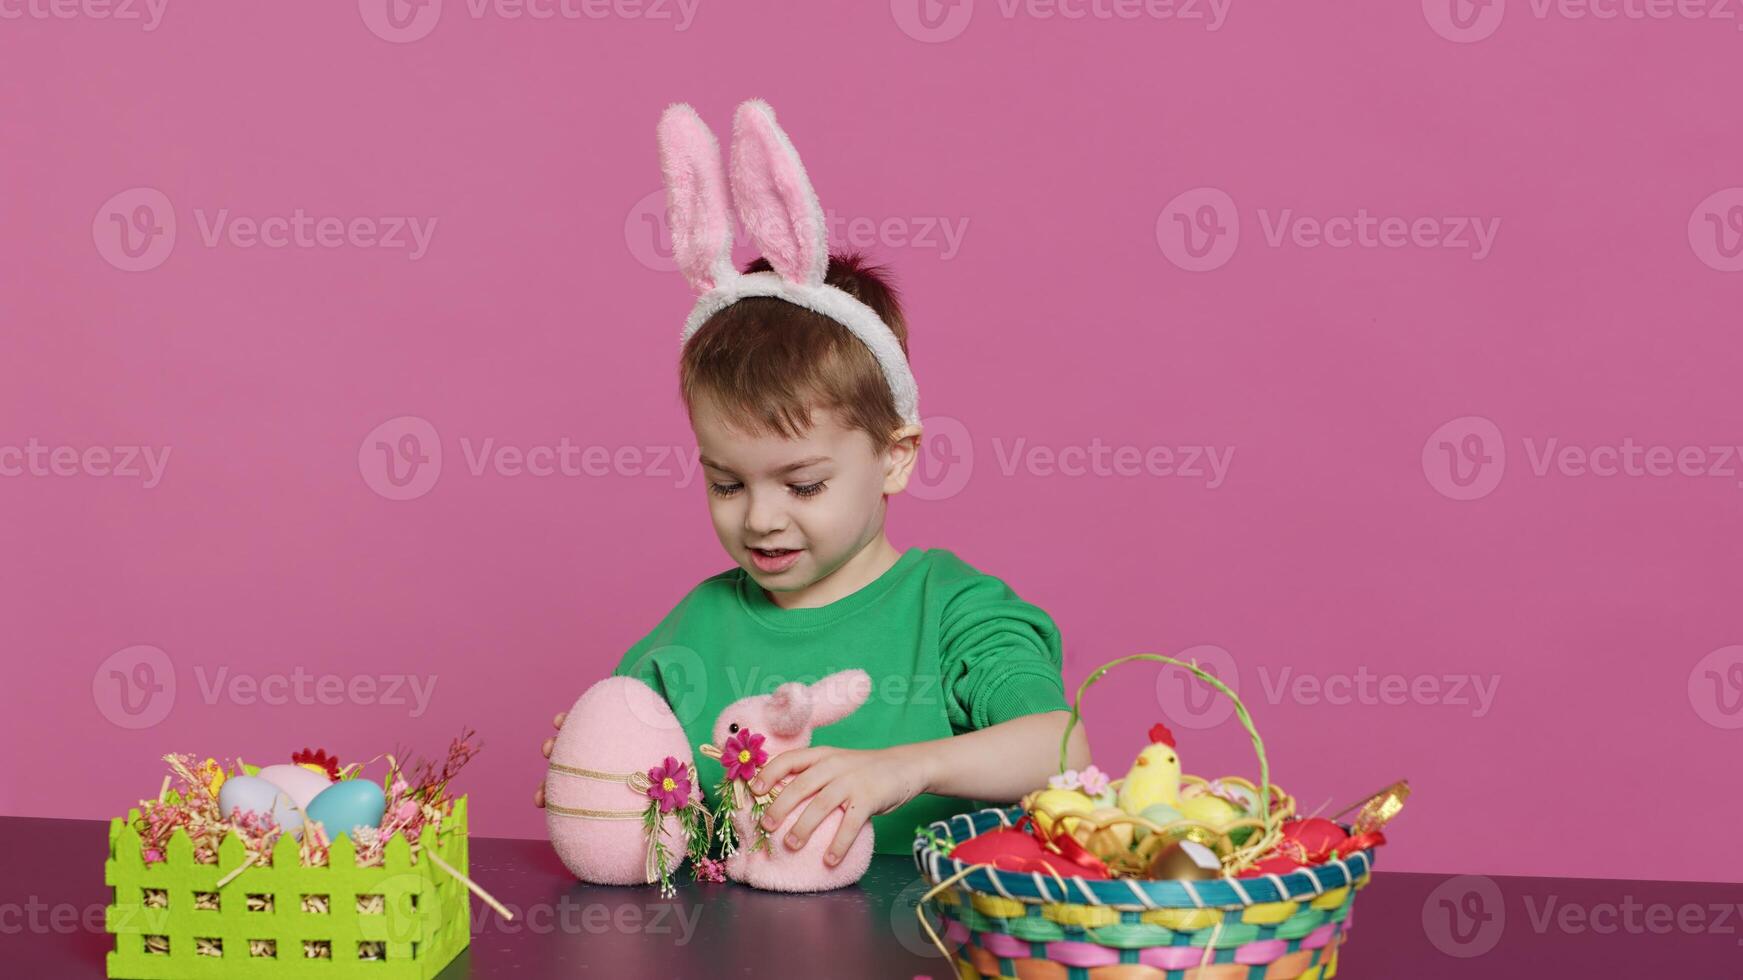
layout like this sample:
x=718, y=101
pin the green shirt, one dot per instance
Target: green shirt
x=949, y=650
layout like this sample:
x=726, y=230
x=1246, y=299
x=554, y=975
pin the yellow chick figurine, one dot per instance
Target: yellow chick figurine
x=1155, y=776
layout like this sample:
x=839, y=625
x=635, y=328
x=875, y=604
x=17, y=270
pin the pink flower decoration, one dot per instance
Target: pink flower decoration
x=743, y=755
x=669, y=783
x=708, y=869
x=1065, y=780
x=1095, y=782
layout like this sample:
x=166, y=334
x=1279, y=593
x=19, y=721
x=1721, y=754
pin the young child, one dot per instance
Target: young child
x=806, y=427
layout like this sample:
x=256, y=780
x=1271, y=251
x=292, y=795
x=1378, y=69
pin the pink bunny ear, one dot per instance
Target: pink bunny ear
x=775, y=201
x=789, y=710
x=838, y=695
x=696, y=207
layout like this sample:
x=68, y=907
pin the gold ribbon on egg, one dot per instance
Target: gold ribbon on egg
x=638, y=783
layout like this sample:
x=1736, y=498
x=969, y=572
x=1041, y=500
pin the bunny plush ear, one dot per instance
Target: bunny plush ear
x=838, y=695
x=775, y=201
x=696, y=206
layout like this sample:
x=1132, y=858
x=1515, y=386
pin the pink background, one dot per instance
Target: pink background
x=1602, y=608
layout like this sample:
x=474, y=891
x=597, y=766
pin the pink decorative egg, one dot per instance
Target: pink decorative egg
x=620, y=726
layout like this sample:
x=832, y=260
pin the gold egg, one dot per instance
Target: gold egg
x=1185, y=859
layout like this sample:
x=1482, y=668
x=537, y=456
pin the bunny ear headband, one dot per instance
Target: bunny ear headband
x=782, y=215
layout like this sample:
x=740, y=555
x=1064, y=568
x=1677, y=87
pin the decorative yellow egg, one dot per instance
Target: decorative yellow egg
x=1052, y=803
x=1207, y=809
x=1106, y=842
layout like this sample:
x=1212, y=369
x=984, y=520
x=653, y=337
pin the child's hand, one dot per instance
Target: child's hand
x=550, y=743
x=865, y=781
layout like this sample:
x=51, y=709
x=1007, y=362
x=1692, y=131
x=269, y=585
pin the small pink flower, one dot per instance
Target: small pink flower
x=708, y=869
x=1065, y=780
x=153, y=855
x=1095, y=782
x=669, y=783
x=743, y=755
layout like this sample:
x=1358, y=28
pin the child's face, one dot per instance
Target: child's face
x=824, y=511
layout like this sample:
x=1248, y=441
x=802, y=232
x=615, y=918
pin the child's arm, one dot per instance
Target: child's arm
x=1003, y=762
x=999, y=764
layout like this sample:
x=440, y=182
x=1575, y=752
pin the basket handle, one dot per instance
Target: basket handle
x=1208, y=678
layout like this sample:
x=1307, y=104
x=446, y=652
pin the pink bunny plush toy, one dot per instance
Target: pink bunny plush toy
x=785, y=720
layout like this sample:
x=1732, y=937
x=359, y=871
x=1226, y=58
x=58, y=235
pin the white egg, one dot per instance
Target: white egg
x=302, y=785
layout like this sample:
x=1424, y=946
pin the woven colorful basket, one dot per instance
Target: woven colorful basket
x=1028, y=925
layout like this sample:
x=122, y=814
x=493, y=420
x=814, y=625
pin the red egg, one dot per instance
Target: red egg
x=1014, y=850
x=1270, y=866
x=1310, y=840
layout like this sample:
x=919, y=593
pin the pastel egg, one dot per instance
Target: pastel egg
x=619, y=725
x=302, y=785
x=1213, y=811
x=255, y=795
x=346, y=805
x=1160, y=814
x=1051, y=804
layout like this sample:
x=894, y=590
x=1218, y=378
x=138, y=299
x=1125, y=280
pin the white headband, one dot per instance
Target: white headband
x=781, y=214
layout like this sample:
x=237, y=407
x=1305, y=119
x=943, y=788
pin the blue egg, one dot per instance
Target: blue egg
x=259, y=796
x=347, y=805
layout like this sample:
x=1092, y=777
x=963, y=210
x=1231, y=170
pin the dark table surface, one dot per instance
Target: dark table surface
x=1417, y=926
